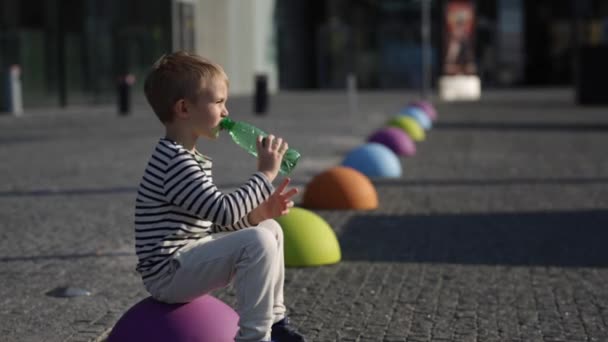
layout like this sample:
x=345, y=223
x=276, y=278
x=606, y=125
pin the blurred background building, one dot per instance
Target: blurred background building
x=73, y=51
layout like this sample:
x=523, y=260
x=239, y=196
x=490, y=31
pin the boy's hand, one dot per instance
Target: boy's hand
x=276, y=205
x=270, y=154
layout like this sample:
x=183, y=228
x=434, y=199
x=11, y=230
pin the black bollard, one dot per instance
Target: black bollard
x=125, y=83
x=261, y=94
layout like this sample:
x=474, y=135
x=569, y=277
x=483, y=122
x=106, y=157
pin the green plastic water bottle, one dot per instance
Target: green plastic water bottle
x=245, y=135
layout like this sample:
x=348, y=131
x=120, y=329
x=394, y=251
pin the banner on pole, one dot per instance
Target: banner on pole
x=459, y=33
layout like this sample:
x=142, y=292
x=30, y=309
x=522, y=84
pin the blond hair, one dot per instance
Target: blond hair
x=176, y=76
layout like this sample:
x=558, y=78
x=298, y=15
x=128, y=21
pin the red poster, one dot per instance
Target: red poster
x=459, y=50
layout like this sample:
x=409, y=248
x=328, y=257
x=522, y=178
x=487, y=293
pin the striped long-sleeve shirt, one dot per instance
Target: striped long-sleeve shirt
x=177, y=203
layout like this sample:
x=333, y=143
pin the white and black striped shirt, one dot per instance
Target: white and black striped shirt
x=177, y=203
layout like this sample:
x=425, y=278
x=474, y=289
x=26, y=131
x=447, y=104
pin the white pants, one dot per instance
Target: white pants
x=253, y=257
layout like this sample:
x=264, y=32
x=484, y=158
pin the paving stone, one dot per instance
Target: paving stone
x=495, y=232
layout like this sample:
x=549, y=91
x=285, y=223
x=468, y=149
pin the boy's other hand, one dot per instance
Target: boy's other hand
x=270, y=154
x=276, y=205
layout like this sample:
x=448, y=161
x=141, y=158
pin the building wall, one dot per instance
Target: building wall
x=238, y=35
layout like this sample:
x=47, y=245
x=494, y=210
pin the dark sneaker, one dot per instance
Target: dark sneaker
x=283, y=332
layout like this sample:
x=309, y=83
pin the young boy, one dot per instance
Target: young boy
x=190, y=237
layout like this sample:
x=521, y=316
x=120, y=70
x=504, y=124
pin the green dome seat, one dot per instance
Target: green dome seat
x=409, y=125
x=309, y=240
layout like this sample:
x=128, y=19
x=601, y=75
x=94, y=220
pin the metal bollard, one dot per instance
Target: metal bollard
x=13, y=99
x=125, y=83
x=261, y=94
x=351, y=91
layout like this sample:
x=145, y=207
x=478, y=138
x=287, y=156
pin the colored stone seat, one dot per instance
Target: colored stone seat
x=340, y=188
x=419, y=115
x=409, y=125
x=396, y=139
x=374, y=160
x=205, y=319
x=428, y=108
x=309, y=240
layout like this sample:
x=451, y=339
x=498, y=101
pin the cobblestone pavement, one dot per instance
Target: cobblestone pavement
x=495, y=232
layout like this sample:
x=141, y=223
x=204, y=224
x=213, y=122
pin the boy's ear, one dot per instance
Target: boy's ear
x=180, y=109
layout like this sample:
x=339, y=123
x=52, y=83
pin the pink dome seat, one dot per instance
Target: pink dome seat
x=428, y=108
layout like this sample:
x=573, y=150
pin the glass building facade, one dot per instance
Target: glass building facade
x=73, y=51
x=517, y=42
x=378, y=40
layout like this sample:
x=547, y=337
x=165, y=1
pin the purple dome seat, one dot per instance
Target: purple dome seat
x=205, y=319
x=396, y=139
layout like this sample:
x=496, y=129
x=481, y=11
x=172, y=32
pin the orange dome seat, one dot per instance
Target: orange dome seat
x=340, y=187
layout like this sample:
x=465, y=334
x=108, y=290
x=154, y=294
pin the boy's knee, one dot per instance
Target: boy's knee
x=263, y=238
x=274, y=227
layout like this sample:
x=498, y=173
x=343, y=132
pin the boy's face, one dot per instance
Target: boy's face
x=209, y=109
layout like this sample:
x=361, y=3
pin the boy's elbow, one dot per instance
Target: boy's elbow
x=233, y=219
x=225, y=219
x=228, y=216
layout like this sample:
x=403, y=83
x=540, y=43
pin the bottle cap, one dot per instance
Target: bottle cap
x=226, y=123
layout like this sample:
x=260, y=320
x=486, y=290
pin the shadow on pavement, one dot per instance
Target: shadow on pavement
x=225, y=187
x=493, y=181
x=68, y=192
x=73, y=256
x=22, y=139
x=525, y=126
x=561, y=238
